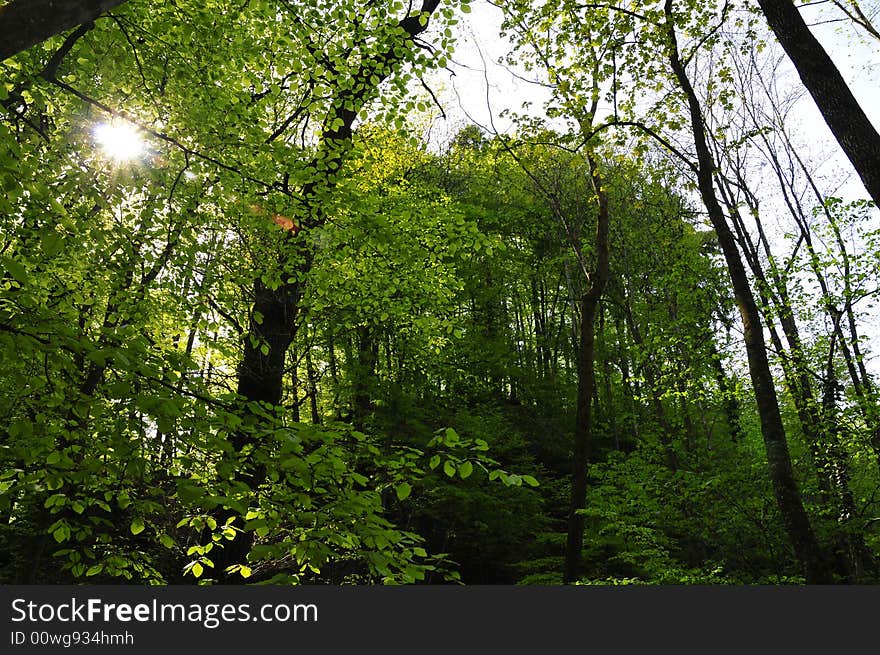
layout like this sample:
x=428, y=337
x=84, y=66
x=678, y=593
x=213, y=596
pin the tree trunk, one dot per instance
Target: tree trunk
x=583, y=435
x=854, y=132
x=312, y=383
x=797, y=524
x=25, y=23
x=260, y=381
x=274, y=314
x=363, y=384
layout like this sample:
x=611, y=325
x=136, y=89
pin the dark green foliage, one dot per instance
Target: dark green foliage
x=291, y=343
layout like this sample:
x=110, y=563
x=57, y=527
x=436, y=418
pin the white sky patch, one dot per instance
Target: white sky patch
x=119, y=140
x=477, y=88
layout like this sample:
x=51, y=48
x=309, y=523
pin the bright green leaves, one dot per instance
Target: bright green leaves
x=195, y=568
x=403, y=490
x=94, y=570
x=392, y=256
x=127, y=289
x=465, y=469
x=15, y=269
x=460, y=457
x=244, y=571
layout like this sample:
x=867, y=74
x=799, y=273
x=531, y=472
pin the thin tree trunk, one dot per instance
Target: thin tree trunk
x=364, y=378
x=583, y=436
x=312, y=381
x=788, y=498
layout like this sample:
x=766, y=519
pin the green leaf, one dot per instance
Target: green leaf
x=137, y=526
x=529, y=480
x=61, y=532
x=465, y=469
x=449, y=468
x=197, y=570
x=124, y=500
x=435, y=462
x=16, y=270
x=52, y=243
x=189, y=492
x=403, y=490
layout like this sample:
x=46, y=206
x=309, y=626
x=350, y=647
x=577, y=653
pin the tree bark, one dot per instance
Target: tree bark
x=273, y=324
x=25, y=23
x=854, y=132
x=364, y=382
x=583, y=436
x=796, y=522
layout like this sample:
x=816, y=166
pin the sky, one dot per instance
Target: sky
x=479, y=89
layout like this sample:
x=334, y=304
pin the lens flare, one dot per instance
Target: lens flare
x=119, y=141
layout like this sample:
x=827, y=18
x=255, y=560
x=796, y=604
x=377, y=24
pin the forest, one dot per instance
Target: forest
x=274, y=310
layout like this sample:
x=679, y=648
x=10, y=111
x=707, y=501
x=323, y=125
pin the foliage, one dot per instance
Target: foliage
x=413, y=310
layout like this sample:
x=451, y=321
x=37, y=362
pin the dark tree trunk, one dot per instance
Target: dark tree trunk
x=261, y=371
x=275, y=311
x=583, y=439
x=364, y=376
x=797, y=524
x=854, y=132
x=583, y=435
x=730, y=402
x=312, y=382
x=260, y=381
x=818, y=426
x=25, y=23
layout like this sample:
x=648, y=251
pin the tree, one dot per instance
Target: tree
x=853, y=130
x=785, y=487
x=25, y=23
x=263, y=321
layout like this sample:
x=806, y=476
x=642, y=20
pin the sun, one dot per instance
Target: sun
x=119, y=140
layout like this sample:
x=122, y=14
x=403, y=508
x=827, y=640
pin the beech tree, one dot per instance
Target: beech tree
x=25, y=23
x=853, y=130
x=273, y=311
